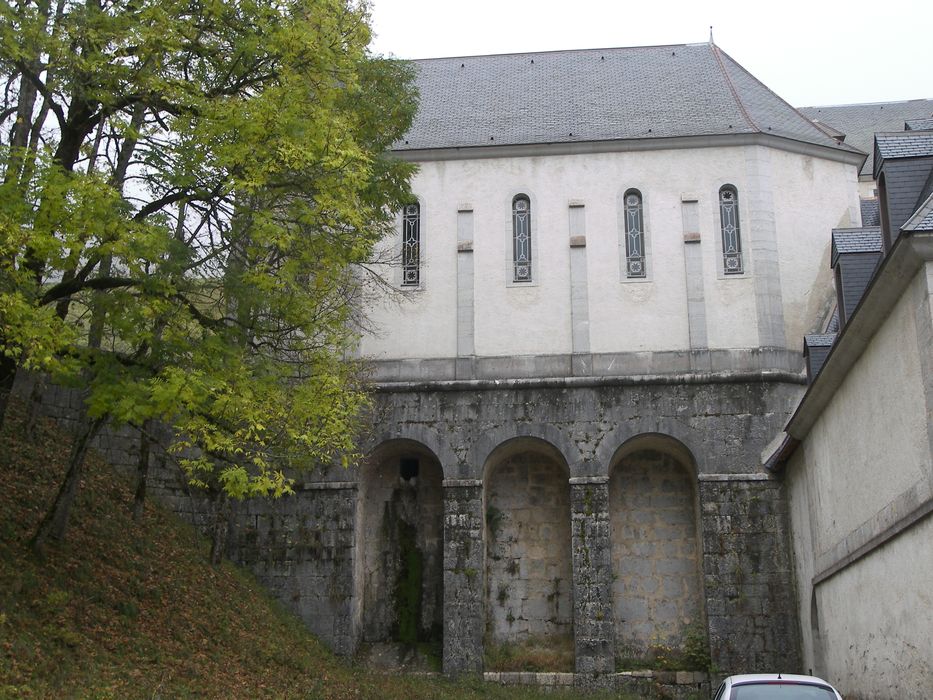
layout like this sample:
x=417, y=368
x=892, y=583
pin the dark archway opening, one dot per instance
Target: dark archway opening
x=401, y=540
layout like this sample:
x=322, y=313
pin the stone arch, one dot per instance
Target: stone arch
x=413, y=433
x=528, y=571
x=401, y=545
x=672, y=435
x=490, y=444
x=657, y=589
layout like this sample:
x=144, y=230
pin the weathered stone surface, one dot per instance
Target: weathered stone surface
x=747, y=575
x=528, y=569
x=657, y=590
x=308, y=548
x=464, y=611
x=592, y=576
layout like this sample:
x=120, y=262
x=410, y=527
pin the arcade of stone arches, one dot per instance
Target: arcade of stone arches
x=534, y=546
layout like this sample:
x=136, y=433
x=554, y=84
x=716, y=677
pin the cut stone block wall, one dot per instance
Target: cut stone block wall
x=307, y=548
x=464, y=590
x=747, y=575
x=528, y=571
x=657, y=591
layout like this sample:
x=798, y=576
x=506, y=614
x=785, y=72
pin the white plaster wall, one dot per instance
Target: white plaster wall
x=803, y=508
x=881, y=648
x=867, y=188
x=805, y=233
x=866, y=463
x=624, y=315
x=871, y=443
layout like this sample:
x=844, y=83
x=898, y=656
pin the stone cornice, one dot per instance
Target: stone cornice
x=623, y=145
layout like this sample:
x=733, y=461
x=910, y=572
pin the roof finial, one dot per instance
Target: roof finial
x=711, y=34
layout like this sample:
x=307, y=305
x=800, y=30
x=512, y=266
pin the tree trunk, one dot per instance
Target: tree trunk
x=139, y=498
x=220, y=526
x=34, y=410
x=55, y=523
x=7, y=378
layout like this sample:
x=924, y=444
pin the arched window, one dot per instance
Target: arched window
x=634, y=235
x=521, y=238
x=731, y=234
x=411, y=245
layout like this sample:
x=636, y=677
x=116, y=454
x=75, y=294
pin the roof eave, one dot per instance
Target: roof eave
x=845, y=154
x=910, y=252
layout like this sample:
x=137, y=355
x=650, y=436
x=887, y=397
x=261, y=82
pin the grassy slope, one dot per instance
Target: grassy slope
x=132, y=610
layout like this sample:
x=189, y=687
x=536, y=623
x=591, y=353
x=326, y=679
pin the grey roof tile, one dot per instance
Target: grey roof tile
x=904, y=144
x=821, y=340
x=859, y=122
x=919, y=124
x=595, y=95
x=855, y=240
x=871, y=212
x=922, y=219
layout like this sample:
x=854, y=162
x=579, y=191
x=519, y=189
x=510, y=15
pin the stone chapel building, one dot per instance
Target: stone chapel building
x=592, y=426
x=603, y=284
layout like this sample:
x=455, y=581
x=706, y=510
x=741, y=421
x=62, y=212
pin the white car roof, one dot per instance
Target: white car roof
x=751, y=677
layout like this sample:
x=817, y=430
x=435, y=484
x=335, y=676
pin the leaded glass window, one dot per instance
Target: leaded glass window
x=521, y=239
x=731, y=234
x=634, y=235
x=411, y=245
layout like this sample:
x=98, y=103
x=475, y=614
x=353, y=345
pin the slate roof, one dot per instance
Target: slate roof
x=855, y=240
x=821, y=340
x=918, y=124
x=922, y=219
x=650, y=92
x=859, y=122
x=904, y=144
x=871, y=212
x=901, y=144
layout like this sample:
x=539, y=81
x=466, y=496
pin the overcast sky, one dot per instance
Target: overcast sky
x=811, y=53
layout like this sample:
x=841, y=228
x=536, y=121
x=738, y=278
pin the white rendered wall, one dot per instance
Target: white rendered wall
x=806, y=279
x=864, y=466
x=809, y=195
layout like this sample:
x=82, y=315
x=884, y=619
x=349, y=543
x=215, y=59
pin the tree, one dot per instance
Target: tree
x=189, y=189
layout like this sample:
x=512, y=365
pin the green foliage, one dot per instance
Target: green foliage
x=692, y=654
x=540, y=654
x=189, y=191
x=138, y=613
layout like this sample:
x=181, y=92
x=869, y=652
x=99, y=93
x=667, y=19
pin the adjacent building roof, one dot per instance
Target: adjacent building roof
x=871, y=212
x=821, y=340
x=651, y=92
x=855, y=240
x=922, y=220
x=918, y=124
x=859, y=122
x=902, y=144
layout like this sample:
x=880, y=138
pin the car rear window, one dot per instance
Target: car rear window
x=782, y=690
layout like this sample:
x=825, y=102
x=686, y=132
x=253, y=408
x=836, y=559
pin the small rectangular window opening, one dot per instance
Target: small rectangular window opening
x=408, y=468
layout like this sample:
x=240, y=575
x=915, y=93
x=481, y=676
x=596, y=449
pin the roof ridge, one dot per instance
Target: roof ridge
x=870, y=104
x=801, y=115
x=555, y=51
x=735, y=93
